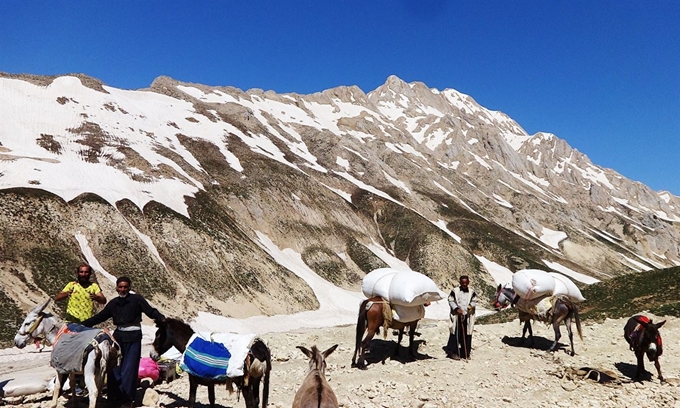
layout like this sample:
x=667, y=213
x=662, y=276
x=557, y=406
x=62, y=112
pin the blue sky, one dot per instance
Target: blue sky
x=602, y=75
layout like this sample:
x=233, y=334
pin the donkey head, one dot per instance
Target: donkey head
x=31, y=327
x=650, y=338
x=317, y=359
x=161, y=342
x=503, y=297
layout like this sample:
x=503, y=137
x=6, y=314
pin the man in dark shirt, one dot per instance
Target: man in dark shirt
x=126, y=312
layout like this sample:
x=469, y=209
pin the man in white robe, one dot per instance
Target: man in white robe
x=462, y=302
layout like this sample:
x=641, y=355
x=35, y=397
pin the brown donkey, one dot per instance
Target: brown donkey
x=643, y=338
x=315, y=392
x=375, y=313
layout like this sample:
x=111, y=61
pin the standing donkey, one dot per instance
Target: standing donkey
x=562, y=309
x=643, y=338
x=76, y=350
x=315, y=391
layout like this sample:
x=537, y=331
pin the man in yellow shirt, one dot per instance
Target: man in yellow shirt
x=81, y=295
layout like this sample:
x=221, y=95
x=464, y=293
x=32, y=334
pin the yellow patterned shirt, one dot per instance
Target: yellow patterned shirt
x=80, y=306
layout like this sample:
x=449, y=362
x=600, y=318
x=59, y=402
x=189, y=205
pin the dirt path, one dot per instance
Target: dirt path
x=500, y=373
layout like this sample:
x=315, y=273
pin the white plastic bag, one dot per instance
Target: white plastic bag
x=560, y=288
x=407, y=314
x=533, y=283
x=373, y=283
x=573, y=292
x=412, y=289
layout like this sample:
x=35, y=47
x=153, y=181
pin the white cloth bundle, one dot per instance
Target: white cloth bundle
x=404, y=288
x=533, y=283
x=565, y=286
x=407, y=314
x=377, y=282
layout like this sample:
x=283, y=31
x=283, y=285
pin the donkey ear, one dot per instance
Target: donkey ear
x=305, y=351
x=499, y=287
x=329, y=351
x=660, y=324
x=42, y=307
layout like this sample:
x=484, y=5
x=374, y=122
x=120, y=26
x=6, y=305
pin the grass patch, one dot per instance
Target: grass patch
x=655, y=291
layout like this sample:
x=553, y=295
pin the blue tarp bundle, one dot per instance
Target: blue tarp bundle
x=206, y=359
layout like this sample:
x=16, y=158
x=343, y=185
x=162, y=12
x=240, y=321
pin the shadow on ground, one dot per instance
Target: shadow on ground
x=380, y=351
x=539, y=343
x=629, y=370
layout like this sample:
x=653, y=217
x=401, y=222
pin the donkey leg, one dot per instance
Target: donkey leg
x=527, y=327
x=399, y=337
x=193, y=385
x=92, y=375
x=411, y=344
x=567, y=322
x=361, y=364
x=251, y=393
x=640, y=363
x=58, y=382
x=354, y=356
x=558, y=334
x=658, y=369
x=72, y=386
x=211, y=395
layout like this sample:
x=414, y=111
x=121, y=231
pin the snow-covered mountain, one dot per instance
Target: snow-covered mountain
x=186, y=188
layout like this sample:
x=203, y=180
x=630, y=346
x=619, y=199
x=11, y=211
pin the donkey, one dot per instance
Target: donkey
x=643, y=338
x=257, y=365
x=99, y=354
x=315, y=392
x=562, y=309
x=374, y=313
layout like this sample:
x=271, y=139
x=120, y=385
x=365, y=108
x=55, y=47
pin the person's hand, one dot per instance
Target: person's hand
x=459, y=311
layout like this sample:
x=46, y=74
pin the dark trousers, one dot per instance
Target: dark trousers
x=122, y=381
x=460, y=342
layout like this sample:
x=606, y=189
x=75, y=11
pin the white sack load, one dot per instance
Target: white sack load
x=413, y=288
x=373, y=283
x=407, y=314
x=566, y=286
x=533, y=283
x=560, y=288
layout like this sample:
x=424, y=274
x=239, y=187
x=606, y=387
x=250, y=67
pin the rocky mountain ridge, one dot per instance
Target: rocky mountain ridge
x=176, y=186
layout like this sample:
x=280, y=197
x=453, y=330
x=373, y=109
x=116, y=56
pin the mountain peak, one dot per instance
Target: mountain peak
x=212, y=196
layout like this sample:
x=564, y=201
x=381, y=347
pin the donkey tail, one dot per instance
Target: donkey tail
x=261, y=355
x=361, y=327
x=578, y=322
x=361, y=322
x=265, y=386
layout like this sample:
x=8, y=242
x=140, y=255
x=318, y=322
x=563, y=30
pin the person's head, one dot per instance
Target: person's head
x=464, y=281
x=84, y=272
x=123, y=286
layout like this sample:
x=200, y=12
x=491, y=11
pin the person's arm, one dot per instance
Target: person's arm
x=99, y=296
x=453, y=303
x=102, y=316
x=65, y=293
x=472, y=307
x=150, y=311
